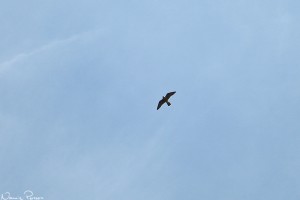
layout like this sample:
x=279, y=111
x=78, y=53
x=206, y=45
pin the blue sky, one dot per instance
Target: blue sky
x=80, y=82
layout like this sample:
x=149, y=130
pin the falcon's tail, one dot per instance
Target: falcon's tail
x=168, y=103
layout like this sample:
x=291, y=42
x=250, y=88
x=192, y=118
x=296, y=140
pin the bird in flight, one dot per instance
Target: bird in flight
x=165, y=100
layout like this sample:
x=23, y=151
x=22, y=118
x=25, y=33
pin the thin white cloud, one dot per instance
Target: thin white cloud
x=4, y=66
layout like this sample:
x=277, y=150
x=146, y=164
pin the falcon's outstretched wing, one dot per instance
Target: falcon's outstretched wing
x=169, y=94
x=160, y=103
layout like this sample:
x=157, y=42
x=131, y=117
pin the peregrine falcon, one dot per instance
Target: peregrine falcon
x=165, y=100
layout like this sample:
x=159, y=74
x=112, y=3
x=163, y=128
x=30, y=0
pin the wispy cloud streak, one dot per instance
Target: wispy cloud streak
x=4, y=66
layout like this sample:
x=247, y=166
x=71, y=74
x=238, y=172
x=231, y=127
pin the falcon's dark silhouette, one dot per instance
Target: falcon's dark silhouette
x=165, y=100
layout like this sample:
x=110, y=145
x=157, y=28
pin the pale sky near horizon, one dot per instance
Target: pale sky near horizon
x=80, y=82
